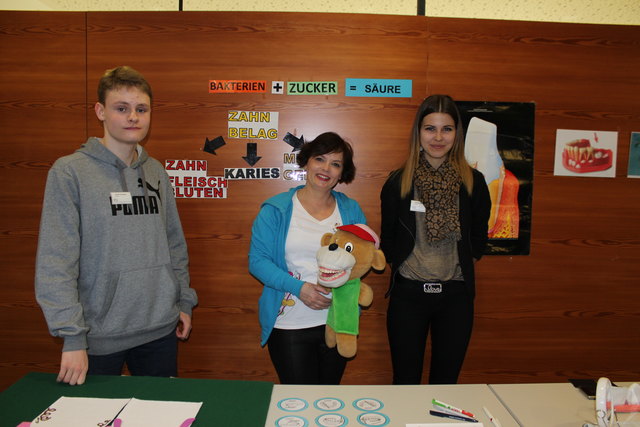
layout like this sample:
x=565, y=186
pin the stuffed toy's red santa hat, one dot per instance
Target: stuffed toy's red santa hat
x=363, y=231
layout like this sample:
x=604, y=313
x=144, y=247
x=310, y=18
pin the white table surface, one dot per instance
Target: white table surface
x=552, y=405
x=401, y=404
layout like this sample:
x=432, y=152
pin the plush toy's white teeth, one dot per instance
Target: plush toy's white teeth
x=328, y=275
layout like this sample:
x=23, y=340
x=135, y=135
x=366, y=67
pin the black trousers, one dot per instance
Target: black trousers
x=301, y=356
x=412, y=314
x=157, y=358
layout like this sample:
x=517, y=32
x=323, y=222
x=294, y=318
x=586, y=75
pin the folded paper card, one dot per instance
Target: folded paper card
x=131, y=412
x=463, y=424
x=158, y=413
x=80, y=411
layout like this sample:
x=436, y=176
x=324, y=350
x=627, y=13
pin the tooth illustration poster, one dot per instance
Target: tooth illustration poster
x=499, y=139
x=585, y=153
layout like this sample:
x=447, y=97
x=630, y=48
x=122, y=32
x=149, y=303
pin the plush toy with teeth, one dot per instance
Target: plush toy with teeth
x=344, y=257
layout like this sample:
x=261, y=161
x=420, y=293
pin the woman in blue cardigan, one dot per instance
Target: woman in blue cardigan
x=285, y=238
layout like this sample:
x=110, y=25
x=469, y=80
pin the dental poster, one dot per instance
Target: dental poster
x=499, y=139
x=585, y=153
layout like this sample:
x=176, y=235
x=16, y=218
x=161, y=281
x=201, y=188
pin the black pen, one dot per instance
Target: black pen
x=453, y=417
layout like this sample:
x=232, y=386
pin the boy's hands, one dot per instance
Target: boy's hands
x=73, y=367
x=75, y=364
x=184, y=326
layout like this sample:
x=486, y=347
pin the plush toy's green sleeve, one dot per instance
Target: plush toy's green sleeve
x=344, y=313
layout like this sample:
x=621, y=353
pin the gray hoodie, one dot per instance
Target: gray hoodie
x=110, y=277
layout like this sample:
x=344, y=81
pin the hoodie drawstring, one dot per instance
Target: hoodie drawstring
x=123, y=180
x=144, y=185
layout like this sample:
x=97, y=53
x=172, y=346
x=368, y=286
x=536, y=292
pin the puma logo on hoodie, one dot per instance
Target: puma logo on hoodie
x=149, y=187
x=142, y=205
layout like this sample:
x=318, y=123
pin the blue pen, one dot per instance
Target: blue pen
x=453, y=417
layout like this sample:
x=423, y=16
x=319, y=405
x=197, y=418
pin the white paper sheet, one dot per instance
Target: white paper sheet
x=79, y=411
x=463, y=424
x=99, y=412
x=158, y=413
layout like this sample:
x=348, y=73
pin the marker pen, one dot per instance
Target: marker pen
x=453, y=417
x=493, y=419
x=452, y=408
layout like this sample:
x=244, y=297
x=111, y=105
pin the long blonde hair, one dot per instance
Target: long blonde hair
x=436, y=104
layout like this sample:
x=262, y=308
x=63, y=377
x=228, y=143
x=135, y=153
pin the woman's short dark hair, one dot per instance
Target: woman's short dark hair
x=330, y=142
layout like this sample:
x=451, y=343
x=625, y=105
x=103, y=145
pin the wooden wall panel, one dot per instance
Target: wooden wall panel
x=564, y=310
x=42, y=117
x=552, y=314
x=179, y=53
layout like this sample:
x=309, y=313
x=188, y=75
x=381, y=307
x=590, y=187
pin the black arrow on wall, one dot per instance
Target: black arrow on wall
x=252, y=154
x=210, y=146
x=294, y=141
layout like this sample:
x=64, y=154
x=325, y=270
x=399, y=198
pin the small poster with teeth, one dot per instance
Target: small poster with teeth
x=586, y=153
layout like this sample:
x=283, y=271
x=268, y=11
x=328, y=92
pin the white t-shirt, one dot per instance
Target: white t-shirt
x=303, y=241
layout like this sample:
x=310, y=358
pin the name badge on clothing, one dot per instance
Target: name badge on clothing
x=121, y=198
x=417, y=206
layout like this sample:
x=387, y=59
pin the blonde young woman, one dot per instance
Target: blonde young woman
x=435, y=211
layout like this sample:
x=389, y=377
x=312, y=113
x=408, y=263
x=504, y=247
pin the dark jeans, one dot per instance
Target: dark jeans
x=301, y=356
x=157, y=358
x=412, y=314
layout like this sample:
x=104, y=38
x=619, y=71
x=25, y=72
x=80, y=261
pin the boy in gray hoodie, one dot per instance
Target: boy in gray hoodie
x=112, y=265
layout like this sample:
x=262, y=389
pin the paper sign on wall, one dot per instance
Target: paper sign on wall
x=252, y=125
x=190, y=181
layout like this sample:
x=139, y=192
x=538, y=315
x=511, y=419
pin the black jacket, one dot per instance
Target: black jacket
x=397, y=238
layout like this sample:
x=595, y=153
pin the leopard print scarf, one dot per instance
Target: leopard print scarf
x=438, y=191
